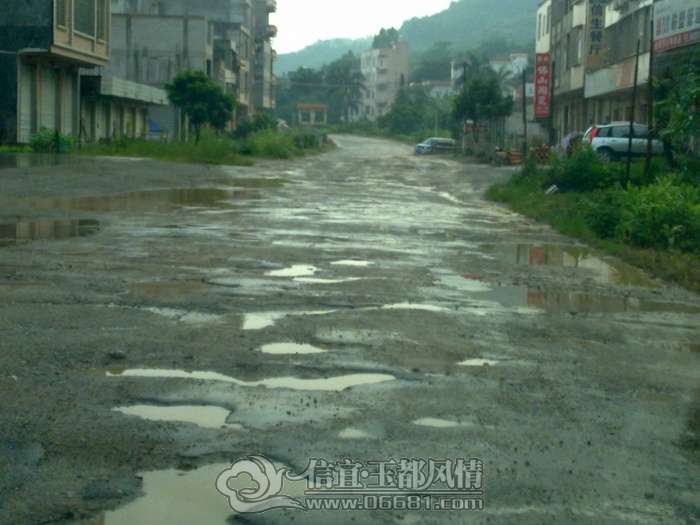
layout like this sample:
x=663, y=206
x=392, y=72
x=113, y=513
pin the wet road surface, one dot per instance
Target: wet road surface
x=159, y=321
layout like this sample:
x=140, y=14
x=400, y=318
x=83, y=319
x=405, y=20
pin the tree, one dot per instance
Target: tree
x=435, y=63
x=482, y=100
x=386, y=38
x=473, y=65
x=679, y=99
x=411, y=112
x=202, y=100
x=346, y=84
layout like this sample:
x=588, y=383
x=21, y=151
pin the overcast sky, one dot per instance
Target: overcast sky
x=303, y=22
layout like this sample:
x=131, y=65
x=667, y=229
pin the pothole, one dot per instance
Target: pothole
x=415, y=306
x=352, y=262
x=290, y=349
x=184, y=316
x=353, y=433
x=433, y=422
x=316, y=280
x=298, y=270
x=330, y=384
x=262, y=320
x=478, y=362
x=200, y=415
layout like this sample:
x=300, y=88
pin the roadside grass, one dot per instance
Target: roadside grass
x=566, y=213
x=15, y=149
x=210, y=150
x=217, y=149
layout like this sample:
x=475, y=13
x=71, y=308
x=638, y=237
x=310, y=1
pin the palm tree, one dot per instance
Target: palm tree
x=346, y=84
x=473, y=66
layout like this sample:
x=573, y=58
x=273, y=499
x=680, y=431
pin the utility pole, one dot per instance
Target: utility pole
x=650, y=97
x=634, y=104
x=524, y=113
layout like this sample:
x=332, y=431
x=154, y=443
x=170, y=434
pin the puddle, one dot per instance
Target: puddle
x=436, y=423
x=313, y=280
x=478, y=362
x=573, y=257
x=203, y=416
x=183, y=316
x=174, y=497
x=352, y=262
x=29, y=160
x=260, y=321
x=590, y=303
x=353, y=433
x=415, y=306
x=331, y=384
x=153, y=200
x=15, y=233
x=298, y=270
x=290, y=349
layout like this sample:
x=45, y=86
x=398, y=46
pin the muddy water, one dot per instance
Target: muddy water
x=331, y=384
x=570, y=257
x=141, y=201
x=203, y=416
x=26, y=231
x=174, y=497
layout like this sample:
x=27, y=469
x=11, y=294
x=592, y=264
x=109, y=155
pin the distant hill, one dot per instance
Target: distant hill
x=466, y=23
x=321, y=53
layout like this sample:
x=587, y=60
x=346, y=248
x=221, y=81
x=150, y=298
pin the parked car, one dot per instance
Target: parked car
x=436, y=145
x=611, y=141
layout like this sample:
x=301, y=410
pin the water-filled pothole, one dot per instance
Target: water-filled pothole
x=297, y=270
x=290, y=349
x=205, y=416
x=478, y=362
x=329, y=384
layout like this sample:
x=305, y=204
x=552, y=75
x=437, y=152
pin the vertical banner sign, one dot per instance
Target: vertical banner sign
x=676, y=24
x=543, y=79
x=596, y=26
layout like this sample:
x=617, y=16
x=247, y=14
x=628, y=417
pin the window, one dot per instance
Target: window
x=84, y=16
x=102, y=20
x=61, y=13
x=621, y=132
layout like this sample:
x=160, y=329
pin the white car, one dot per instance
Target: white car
x=611, y=141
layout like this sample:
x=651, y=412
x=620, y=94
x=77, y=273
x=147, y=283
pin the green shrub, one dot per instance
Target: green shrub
x=307, y=140
x=260, y=122
x=584, y=171
x=603, y=212
x=661, y=215
x=48, y=141
x=270, y=143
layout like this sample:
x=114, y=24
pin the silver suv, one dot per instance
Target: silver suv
x=611, y=141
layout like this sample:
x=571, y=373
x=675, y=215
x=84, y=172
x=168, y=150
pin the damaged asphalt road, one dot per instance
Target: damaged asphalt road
x=158, y=321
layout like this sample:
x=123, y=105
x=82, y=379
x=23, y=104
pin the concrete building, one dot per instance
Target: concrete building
x=610, y=80
x=229, y=40
x=43, y=45
x=154, y=49
x=574, y=43
x=385, y=72
x=52, y=66
x=264, y=78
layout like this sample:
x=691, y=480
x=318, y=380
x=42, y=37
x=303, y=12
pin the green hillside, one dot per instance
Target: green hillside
x=466, y=23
